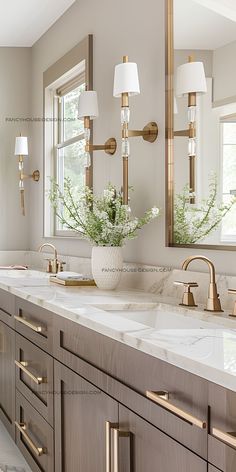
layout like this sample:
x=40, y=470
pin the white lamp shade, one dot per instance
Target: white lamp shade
x=190, y=77
x=88, y=104
x=175, y=106
x=126, y=79
x=21, y=146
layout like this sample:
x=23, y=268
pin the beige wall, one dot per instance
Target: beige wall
x=224, y=72
x=14, y=103
x=119, y=28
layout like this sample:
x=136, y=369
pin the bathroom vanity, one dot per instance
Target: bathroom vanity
x=76, y=379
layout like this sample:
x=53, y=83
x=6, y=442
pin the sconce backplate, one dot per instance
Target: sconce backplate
x=36, y=175
x=110, y=146
x=152, y=130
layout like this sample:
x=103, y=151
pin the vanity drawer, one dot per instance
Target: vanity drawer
x=34, y=436
x=34, y=376
x=184, y=417
x=7, y=307
x=222, y=428
x=34, y=323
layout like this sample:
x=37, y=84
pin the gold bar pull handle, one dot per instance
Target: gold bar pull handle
x=118, y=434
x=162, y=399
x=22, y=366
x=109, y=427
x=228, y=438
x=38, y=451
x=34, y=327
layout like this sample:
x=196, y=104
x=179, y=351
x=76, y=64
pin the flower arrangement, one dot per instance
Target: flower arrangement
x=194, y=223
x=104, y=221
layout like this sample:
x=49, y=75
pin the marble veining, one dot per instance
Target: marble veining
x=207, y=350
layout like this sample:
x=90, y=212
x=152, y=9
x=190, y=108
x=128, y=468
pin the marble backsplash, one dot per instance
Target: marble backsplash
x=156, y=280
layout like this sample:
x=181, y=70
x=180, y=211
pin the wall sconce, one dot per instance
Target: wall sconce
x=88, y=110
x=190, y=80
x=21, y=150
x=126, y=84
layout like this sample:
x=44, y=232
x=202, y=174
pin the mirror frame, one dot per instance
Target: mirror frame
x=169, y=121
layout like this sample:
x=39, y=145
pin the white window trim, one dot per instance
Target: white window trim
x=78, y=60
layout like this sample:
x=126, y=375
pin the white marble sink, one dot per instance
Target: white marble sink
x=161, y=319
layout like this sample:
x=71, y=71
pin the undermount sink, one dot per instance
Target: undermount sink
x=161, y=319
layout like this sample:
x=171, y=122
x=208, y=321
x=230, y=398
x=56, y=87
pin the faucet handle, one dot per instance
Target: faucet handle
x=188, y=298
x=232, y=291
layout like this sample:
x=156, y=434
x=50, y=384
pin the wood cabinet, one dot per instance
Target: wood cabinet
x=104, y=406
x=34, y=376
x=81, y=413
x=7, y=308
x=149, y=449
x=34, y=436
x=7, y=377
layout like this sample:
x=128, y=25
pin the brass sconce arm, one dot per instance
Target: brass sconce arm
x=109, y=147
x=148, y=133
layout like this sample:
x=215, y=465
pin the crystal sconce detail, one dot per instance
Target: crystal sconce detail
x=21, y=150
x=126, y=84
x=88, y=110
x=190, y=81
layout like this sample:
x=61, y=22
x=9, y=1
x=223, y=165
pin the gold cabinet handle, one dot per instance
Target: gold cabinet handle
x=162, y=399
x=228, y=438
x=38, y=451
x=118, y=434
x=36, y=328
x=109, y=427
x=22, y=366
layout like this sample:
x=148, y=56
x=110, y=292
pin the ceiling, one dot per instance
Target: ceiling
x=23, y=22
x=204, y=24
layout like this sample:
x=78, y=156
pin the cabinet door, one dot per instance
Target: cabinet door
x=7, y=377
x=212, y=469
x=82, y=413
x=148, y=449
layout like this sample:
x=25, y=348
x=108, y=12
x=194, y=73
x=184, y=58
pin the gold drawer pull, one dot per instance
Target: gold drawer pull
x=22, y=366
x=162, y=399
x=38, y=451
x=36, y=328
x=228, y=438
x=118, y=434
x=109, y=427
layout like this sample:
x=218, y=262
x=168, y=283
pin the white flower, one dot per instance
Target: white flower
x=155, y=212
x=109, y=193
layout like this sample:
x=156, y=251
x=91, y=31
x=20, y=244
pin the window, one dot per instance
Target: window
x=69, y=138
x=63, y=132
x=228, y=184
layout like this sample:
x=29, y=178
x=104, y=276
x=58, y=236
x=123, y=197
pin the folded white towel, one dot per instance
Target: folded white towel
x=71, y=276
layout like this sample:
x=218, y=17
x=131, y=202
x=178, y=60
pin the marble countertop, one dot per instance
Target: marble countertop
x=208, y=349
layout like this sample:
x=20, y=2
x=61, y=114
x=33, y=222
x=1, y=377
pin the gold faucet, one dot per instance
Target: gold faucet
x=54, y=265
x=213, y=300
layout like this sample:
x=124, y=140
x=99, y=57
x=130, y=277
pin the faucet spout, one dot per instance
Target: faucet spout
x=213, y=301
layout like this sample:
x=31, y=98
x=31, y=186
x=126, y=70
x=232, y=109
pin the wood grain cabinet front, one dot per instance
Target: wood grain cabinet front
x=183, y=417
x=222, y=428
x=34, y=436
x=84, y=417
x=7, y=377
x=7, y=307
x=34, y=323
x=34, y=376
x=140, y=447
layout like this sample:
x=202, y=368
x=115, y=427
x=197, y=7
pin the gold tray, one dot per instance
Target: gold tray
x=72, y=282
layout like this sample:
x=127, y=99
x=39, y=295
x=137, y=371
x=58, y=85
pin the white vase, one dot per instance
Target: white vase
x=107, y=266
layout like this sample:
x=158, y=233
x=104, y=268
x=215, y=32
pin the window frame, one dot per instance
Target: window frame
x=58, y=80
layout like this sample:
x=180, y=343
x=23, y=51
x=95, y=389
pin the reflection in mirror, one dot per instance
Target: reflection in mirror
x=204, y=144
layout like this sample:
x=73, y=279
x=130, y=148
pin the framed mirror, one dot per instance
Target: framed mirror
x=201, y=124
